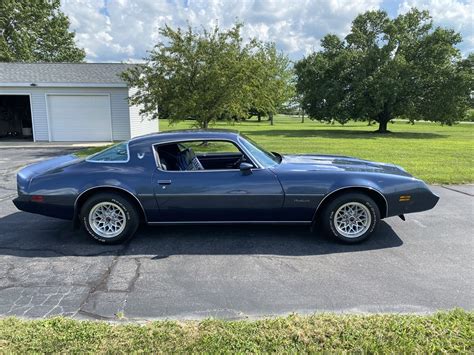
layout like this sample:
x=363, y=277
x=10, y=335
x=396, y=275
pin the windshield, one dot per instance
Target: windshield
x=264, y=157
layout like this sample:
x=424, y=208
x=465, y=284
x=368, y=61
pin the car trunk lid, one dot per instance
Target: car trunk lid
x=25, y=175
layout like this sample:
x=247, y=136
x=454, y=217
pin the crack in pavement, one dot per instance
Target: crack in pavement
x=102, y=283
x=455, y=190
x=131, y=284
x=136, y=275
x=7, y=197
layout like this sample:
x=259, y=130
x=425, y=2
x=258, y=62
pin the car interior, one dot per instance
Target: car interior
x=199, y=155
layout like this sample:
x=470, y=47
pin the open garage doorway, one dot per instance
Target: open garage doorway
x=15, y=117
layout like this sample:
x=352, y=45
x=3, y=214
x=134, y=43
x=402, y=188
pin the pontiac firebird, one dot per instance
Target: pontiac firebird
x=217, y=177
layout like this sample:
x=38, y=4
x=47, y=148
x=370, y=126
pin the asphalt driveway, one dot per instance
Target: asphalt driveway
x=46, y=268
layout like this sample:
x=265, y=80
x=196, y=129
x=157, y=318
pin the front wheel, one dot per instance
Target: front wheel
x=109, y=218
x=351, y=218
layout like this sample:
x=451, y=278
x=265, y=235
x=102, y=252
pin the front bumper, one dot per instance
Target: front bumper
x=422, y=199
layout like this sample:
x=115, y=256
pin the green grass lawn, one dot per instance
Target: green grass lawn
x=434, y=153
x=444, y=332
x=437, y=154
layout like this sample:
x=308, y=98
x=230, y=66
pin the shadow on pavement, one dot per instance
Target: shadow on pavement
x=27, y=235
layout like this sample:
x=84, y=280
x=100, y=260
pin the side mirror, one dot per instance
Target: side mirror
x=246, y=168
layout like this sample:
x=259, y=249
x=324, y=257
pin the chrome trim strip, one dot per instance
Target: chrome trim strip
x=203, y=171
x=217, y=195
x=90, y=158
x=229, y=222
x=349, y=187
x=110, y=186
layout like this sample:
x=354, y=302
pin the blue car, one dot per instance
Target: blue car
x=218, y=177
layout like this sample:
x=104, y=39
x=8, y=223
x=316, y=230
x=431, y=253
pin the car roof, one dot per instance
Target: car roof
x=186, y=134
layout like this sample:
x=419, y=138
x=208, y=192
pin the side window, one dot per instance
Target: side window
x=209, y=147
x=199, y=155
x=116, y=153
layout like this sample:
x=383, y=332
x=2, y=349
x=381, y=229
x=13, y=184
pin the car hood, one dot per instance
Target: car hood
x=338, y=163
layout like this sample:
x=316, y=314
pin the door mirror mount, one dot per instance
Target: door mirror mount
x=246, y=168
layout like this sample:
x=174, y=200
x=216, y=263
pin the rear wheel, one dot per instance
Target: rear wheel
x=351, y=218
x=109, y=218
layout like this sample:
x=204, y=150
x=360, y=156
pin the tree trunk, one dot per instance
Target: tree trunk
x=205, y=124
x=383, y=126
x=259, y=117
x=383, y=118
x=302, y=116
x=270, y=116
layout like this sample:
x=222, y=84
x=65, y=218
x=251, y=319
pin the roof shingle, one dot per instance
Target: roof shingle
x=63, y=73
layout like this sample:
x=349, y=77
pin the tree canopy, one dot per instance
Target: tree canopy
x=387, y=68
x=36, y=31
x=208, y=75
x=272, y=81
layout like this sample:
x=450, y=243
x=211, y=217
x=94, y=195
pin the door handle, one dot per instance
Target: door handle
x=164, y=182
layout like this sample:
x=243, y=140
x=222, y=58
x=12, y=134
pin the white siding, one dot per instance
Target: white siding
x=120, y=114
x=140, y=124
x=118, y=105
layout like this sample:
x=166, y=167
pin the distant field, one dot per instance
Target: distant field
x=437, y=154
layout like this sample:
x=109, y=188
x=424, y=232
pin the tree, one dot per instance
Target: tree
x=272, y=81
x=191, y=75
x=208, y=75
x=36, y=31
x=385, y=68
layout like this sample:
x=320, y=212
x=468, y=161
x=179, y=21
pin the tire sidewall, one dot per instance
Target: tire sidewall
x=341, y=200
x=131, y=217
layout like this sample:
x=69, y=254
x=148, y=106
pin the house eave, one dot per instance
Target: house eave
x=66, y=85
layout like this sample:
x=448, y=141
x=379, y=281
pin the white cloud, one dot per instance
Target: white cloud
x=115, y=30
x=455, y=14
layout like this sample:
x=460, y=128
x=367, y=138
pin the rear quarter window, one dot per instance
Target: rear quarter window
x=116, y=153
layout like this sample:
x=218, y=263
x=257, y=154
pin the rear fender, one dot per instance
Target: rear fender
x=86, y=193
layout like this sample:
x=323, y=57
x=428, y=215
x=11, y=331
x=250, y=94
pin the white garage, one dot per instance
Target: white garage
x=80, y=117
x=62, y=102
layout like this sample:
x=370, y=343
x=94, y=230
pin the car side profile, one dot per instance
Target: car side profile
x=217, y=177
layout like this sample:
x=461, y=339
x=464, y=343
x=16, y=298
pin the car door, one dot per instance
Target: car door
x=217, y=195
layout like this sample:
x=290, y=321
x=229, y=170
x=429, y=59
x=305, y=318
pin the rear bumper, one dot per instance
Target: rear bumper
x=24, y=203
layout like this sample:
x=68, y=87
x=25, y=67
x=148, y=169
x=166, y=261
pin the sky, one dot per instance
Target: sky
x=124, y=30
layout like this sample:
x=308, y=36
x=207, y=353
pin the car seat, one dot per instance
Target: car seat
x=187, y=160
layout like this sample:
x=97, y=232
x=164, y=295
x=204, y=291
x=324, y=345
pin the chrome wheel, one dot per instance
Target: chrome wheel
x=107, y=219
x=352, y=219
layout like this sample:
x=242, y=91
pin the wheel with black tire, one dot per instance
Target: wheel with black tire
x=351, y=218
x=109, y=218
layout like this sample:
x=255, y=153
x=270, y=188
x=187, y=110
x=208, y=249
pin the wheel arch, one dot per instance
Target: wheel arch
x=83, y=196
x=374, y=194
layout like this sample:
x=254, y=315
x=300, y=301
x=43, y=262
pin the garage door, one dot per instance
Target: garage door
x=79, y=118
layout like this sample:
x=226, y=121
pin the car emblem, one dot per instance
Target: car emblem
x=140, y=155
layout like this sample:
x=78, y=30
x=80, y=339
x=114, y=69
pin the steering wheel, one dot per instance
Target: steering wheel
x=236, y=165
